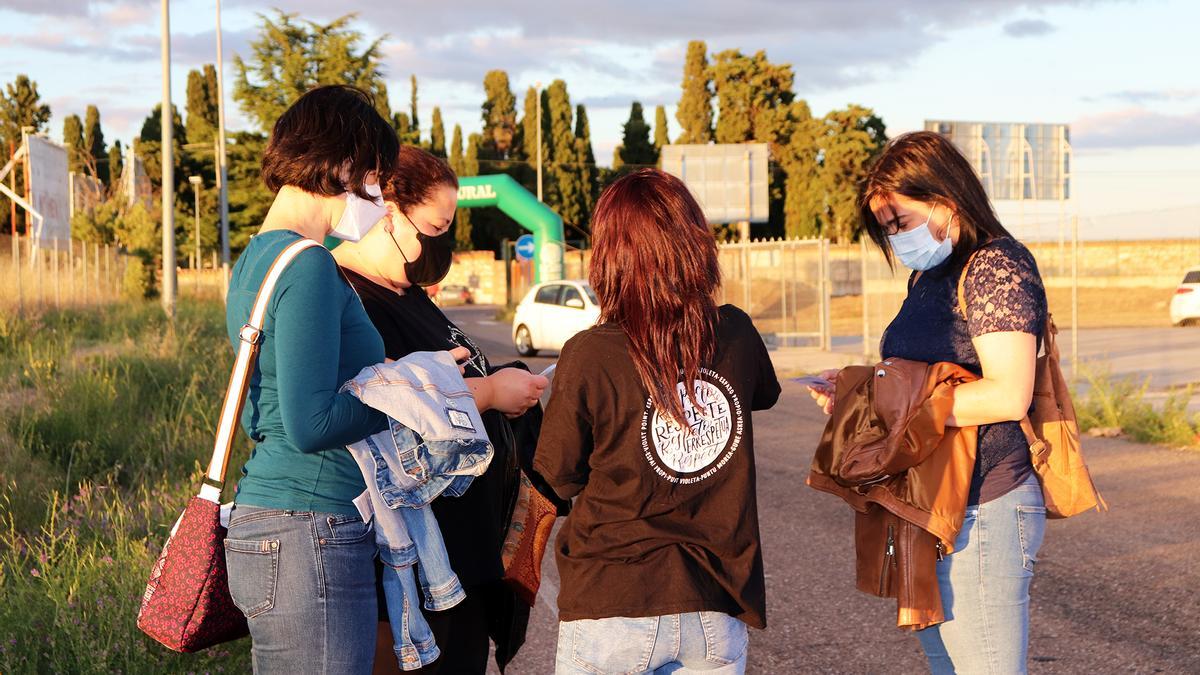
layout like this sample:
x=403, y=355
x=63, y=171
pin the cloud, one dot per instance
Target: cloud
x=1028, y=28
x=1135, y=127
x=1141, y=96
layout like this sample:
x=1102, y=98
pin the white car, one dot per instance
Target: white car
x=551, y=313
x=1185, y=305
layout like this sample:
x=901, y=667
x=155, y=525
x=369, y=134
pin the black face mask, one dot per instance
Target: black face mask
x=437, y=253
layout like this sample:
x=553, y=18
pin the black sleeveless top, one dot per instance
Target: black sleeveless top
x=1004, y=292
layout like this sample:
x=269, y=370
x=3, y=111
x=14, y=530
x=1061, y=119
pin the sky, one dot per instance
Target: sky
x=1122, y=73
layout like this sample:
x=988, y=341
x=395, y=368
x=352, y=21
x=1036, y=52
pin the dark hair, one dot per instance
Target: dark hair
x=328, y=141
x=926, y=166
x=414, y=177
x=654, y=270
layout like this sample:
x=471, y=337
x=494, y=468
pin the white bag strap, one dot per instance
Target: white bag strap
x=235, y=395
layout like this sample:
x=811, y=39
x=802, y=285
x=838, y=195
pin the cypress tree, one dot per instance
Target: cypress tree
x=569, y=193
x=437, y=134
x=93, y=140
x=589, y=174
x=412, y=109
x=695, y=113
x=661, y=136
x=636, y=147
x=73, y=139
x=116, y=166
x=499, y=113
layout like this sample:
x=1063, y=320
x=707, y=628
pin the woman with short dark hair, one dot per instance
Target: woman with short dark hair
x=299, y=555
x=649, y=429
x=923, y=203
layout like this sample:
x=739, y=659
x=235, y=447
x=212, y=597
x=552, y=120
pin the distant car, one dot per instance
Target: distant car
x=1185, y=305
x=454, y=295
x=551, y=313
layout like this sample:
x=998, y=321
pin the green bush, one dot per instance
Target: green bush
x=1121, y=403
x=138, y=282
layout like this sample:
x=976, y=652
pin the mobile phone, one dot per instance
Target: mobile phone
x=814, y=382
x=549, y=371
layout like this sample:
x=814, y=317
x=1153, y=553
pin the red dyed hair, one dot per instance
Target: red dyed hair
x=416, y=175
x=654, y=269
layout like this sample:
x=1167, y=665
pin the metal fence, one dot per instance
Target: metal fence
x=784, y=285
x=77, y=273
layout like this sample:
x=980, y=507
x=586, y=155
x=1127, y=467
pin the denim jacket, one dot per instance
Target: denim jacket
x=435, y=444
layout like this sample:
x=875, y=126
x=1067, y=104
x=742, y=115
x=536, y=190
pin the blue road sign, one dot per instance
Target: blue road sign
x=525, y=247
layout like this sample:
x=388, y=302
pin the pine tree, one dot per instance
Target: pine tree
x=93, y=140
x=73, y=139
x=695, y=113
x=661, y=135
x=292, y=56
x=437, y=134
x=499, y=114
x=850, y=138
x=636, y=148
x=22, y=106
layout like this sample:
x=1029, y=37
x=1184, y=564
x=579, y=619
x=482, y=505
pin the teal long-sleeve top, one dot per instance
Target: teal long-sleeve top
x=317, y=336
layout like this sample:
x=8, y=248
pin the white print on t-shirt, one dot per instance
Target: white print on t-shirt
x=714, y=432
x=476, y=361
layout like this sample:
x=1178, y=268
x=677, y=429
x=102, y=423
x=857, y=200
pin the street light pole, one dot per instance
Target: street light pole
x=222, y=167
x=538, y=87
x=196, y=183
x=168, y=170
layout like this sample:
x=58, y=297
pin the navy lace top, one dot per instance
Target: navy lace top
x=1003, y=292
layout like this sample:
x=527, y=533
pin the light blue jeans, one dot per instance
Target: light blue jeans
x=985, y=587
x=709, y=642
x=306, y=583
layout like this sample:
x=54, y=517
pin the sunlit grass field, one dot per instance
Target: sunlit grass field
x=107, y=414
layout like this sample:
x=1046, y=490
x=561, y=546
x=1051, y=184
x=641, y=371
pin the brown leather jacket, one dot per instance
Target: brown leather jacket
x=887, y=452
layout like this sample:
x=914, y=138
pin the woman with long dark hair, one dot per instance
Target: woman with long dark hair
x=923, y=204
x=649, y=428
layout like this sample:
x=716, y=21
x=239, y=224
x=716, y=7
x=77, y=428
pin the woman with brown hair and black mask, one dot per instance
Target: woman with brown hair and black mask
x=923, y=203
x=412, y=248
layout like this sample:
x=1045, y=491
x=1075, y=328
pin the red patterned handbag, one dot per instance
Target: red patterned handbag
x=187, y=605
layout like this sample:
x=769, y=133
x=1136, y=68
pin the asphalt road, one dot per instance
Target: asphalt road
x=1114, y=593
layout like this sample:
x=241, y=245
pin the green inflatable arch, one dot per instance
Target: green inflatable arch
x=501, y=191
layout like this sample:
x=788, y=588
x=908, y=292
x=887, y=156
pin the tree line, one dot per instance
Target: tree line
x=727, y=97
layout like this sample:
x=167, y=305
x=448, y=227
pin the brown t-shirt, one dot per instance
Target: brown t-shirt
x=664, y=521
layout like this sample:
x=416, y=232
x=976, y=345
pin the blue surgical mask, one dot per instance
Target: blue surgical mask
x=917, y=248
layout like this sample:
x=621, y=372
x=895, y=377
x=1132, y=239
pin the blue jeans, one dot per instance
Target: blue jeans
x=306, y=583
x=709, y=642
x=985, y=587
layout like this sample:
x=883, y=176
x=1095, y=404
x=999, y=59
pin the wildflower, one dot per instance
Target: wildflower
x=107, y=560
x=34, y=572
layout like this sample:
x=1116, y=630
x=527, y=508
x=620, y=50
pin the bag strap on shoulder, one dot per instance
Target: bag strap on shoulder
x=239, y=381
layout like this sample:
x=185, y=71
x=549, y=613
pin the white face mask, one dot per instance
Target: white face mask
x=360, y=214
x=917, y=248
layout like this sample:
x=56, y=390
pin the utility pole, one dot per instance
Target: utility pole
x=168, y=170
x=222, y=166
x=196, y=182
x=538, y=87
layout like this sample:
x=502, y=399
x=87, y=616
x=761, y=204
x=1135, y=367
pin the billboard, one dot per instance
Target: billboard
x=730, y=180
x=87, y=192
x=51, y=191
x=1015, y=161
x=134, y=182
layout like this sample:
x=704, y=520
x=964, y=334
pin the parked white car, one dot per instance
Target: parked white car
x=1185, y=305
x=552, y=313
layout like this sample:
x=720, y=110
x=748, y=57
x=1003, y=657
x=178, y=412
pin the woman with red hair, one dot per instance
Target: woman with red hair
x=649, y=428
